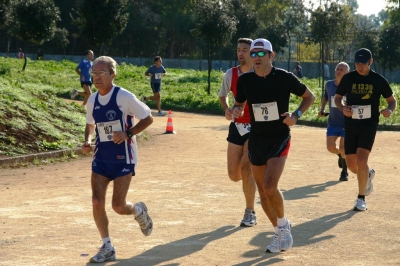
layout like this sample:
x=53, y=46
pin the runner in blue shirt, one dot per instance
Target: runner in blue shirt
x=335, y=128
x=83, y=69
x=155, y=72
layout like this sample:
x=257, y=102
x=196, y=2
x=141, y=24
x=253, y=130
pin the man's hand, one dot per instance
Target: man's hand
x=347, y=111
x=119, y=137
x=86, y=148
x=290, y=119
x=237, y=112
x=228, y=113
x=386, y=112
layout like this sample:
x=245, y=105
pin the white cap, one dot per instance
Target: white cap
x=261, y=43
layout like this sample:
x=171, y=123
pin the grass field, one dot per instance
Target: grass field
x=35, y=118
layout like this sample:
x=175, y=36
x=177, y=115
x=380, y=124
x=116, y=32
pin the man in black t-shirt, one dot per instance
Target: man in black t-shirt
x=364, y=88
x=267, y=91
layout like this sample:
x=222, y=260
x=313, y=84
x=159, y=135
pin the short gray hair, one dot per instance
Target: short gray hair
x=111, y=63
x=344, y=64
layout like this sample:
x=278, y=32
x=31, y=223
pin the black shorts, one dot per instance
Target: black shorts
x=87, y=83
x=262, y=148
x=235, y=137
x=359, y=137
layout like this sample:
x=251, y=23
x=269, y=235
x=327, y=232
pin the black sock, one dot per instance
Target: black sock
x=361, y=197
x=344, y=166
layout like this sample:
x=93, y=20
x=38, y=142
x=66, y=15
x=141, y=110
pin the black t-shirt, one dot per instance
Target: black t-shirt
x=364, y=90
x=276, y=87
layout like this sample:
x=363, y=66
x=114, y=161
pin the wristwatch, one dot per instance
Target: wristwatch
x=298, y=113
x=129, y=134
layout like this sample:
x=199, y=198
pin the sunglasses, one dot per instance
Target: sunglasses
x=259, y=54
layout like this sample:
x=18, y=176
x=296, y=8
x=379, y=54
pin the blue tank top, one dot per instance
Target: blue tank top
x=110, y=118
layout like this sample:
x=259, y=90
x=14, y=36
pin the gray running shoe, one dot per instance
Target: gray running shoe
x=143, y=99
x=74, y=93
x=274, y=246
x=160, y=113
x=370, y=186
x=361, y=205
x=104, y=254
x=285, y=237
x=249, y=218
x=144, y=220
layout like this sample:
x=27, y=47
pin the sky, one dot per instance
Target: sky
x=365, y=7
x=368, y=7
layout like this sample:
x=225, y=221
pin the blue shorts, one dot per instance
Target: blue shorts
x=235, y=137
x=332, y=131
x=112, y=171
x=156, y=87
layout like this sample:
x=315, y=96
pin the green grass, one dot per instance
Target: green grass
x=35, y=117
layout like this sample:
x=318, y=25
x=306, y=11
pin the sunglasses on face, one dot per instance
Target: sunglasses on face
x=259, y=54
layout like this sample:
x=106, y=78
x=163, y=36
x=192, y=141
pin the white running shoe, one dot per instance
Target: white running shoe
x=274, y=246
x=285, y=237
x=144, y=220
x=370, y=186
x=249, y=218
x=160, y=113
x=361, y=205
x=74, y=93
x=282, y=240
x=104, y=254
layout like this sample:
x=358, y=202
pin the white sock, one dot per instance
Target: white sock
x=282, y=222
x=107, y=242
x=138, y=211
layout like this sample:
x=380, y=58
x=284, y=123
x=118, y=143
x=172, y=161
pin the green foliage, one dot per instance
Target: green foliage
x=215, y=25
x=101, y=20
x=36, y=113
x=389, y=46
x=33, y=20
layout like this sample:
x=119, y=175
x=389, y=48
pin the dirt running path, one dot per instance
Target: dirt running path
x=46, y=218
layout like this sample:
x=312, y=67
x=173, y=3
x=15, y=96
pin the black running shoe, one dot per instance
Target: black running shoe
x=344, y=177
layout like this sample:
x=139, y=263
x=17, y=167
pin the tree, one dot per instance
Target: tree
x=294, y=23
x=101, y=20
x=60, y=38
x=247, y=22
x=4, y=12
x=33, y=21
x=330, y=24
x=176, y=21
x=215, y=26
x=389, y=46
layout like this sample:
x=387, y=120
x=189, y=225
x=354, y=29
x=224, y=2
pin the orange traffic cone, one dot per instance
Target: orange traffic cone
x=170, y=127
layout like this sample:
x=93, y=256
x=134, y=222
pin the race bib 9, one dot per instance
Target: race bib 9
x=243, y=128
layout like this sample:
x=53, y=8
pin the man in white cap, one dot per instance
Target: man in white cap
x=363, y=89
x=267, y=92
